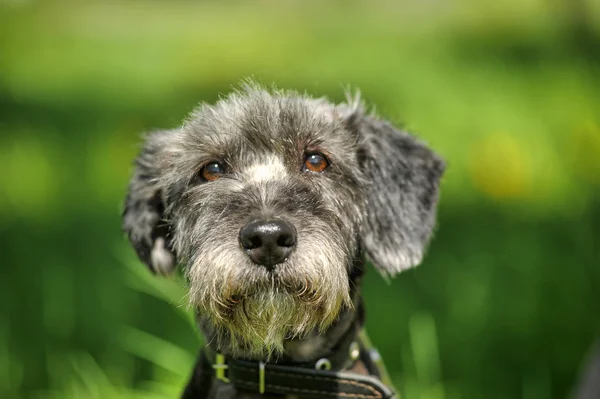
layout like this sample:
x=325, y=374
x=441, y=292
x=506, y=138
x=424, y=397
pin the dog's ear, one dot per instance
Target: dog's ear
x=143, y=216
x=402, y=177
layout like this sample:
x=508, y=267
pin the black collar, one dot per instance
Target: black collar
x=325, y=378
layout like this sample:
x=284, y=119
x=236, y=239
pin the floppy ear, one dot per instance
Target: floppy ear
x=143, y=216
x=402, y=178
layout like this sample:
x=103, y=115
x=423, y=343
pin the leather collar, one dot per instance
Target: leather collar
x=314, y=380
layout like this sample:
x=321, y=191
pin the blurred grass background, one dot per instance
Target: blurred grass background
x=507, y=301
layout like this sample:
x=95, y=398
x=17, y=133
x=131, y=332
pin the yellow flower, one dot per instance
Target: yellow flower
x=499, y=166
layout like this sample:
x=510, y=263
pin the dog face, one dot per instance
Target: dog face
x=268, y=199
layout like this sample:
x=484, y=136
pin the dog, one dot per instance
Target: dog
x=273, y=201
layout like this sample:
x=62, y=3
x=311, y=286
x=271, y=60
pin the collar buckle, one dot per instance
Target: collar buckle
x=220, y=366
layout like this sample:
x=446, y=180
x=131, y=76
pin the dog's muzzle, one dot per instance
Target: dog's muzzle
x=268, y=243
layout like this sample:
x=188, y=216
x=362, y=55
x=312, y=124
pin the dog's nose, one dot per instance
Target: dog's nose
x=268, y=242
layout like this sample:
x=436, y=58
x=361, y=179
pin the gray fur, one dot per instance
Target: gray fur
x=377, y=197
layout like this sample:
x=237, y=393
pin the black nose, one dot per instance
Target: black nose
x=268, y=242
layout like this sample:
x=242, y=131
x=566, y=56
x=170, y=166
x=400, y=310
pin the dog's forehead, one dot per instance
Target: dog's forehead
x=257, y=124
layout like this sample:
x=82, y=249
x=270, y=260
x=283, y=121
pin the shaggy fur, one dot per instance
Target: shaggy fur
x=377, y=197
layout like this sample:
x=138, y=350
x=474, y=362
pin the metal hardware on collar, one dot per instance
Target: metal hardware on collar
x=323, y=364
x=261, y=377
x=220, y=366
x=354, y=350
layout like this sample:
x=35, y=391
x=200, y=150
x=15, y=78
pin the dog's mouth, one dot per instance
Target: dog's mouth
x=304, y=290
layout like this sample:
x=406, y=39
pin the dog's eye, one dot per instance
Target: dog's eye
x=212, y=171
x=315, y=163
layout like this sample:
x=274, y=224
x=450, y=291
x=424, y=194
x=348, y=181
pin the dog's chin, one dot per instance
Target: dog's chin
x=256, y=326
x=249, y=312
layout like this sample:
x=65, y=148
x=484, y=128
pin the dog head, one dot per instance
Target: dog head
x=267, y=199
